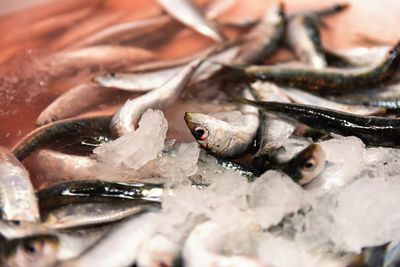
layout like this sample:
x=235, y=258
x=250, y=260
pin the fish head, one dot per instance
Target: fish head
x=38, y=250
x=212, y=134
x=307, y=164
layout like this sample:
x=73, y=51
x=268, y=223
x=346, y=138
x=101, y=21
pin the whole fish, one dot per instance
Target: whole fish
x=75, y=102
x=187, y=13
x=81, y=191
x=263, y=40
x=328, y=80
x=32, y=251
x=223, y=138
x=373, y=131
x=58, y=130
x=89, y=214
x=127, y=117
x=17, y=197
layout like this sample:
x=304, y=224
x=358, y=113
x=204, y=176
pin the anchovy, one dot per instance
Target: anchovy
x=80, y=191
x=326, y=80
x=76, y=101
x=58, y=130
x=305, y=98
x=127, y=117
x=89, y=214
x=187, y=13
x=17, y=196
x=35, y=251
x=373, y=131
x=263, y=39
x=222, y=138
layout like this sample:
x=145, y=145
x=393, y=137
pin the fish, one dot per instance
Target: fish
x=127, y=117
x=302, y=97
x=222, y=138
x=132, y=233
x=262, y=41
x=59, y=130
x=32, y=251
x=81, y=191
x=384, y=104
x=373, y=131
x=90, y=214
x=108, y=57
x=202, y=247
x=303, y=37
x=17, y=196
x=187, y=13
x=306, y=165
x=75, y=101
x=325, y=81
x=137, y=82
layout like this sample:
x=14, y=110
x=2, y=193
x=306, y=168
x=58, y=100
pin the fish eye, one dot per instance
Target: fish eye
x=309, y=165
x=32, y=247
x=201, y=132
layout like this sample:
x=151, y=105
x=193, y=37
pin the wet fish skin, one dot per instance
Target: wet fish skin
x=61, y=129
x=373, y=131
x=222, y=138
x=306, y=165
x=263, y=39
x=328, y=80
x=17, y=197
x=32, y=251
x=187, y=13
x=127, y=117
x=80, y=191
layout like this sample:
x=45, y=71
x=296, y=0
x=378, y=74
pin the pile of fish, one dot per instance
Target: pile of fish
x=263, y=184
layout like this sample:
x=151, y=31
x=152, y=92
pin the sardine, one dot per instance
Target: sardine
x=89, y=214
x=58, y=130
x=127, y=117
x=328, y=80
x=223, y=138
x=75, y=102
x=17, y=197
x=187, y=13
x=32, y=251
x=373, y=131
x=80, y=191
x=263, y=39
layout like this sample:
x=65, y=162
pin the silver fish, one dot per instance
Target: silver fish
x=126, y=119
x=76, y=101
x=361, y=56
x=222, y=138
x=17, y=197
x=187, y=13
x=89, y=214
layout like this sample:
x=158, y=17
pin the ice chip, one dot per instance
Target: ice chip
x=133, y=150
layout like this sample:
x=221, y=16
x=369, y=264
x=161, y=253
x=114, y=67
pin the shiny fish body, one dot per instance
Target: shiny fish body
x=187, y=13
x=373, y=131
x=222, y=138
x=80, y=191
x=305, y=98
x=263, y=39
x=304, y=38
x=89, y=214
x=61, y=129
x=127, y=117
x=17, y=196
x=361, y=56
x=328, y=80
